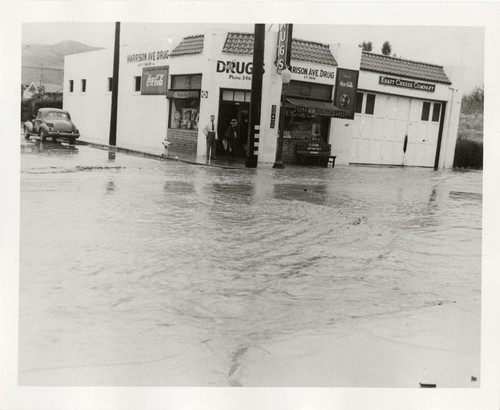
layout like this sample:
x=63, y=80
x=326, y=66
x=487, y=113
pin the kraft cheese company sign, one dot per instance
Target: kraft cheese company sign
x=148, y=58
x=414, y=85
x=154, y=80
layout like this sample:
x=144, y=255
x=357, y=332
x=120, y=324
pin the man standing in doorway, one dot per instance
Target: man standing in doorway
x=211, y=134
x=231, y=136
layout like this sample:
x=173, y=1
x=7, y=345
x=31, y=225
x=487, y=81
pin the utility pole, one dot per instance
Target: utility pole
x=256, y=96
x=114, y=90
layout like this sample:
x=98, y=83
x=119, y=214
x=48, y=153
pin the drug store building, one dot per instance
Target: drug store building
x=364, y=106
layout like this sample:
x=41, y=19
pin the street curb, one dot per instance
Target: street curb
x=154, y=156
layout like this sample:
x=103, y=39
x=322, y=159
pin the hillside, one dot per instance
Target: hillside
x=44, y=63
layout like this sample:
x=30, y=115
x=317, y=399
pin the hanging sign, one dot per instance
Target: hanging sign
x=284, y=47
x=398, y=82
x=154, y=80
x=346, y=86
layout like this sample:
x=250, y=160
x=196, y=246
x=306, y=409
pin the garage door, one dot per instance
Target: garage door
x=384, y=122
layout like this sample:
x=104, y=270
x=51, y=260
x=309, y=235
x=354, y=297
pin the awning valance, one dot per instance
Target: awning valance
x=183, y=94
x=324, y=108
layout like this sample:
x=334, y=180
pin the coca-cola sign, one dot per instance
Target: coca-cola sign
x=345, y=91
x=154, y=80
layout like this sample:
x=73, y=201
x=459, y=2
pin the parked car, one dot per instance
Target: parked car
x=54, y=123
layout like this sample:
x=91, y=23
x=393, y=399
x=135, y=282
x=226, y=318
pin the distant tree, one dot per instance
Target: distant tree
x=366, y=46
x=474, y=101
x=386, y=48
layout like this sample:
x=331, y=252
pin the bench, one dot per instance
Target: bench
x=314, y=152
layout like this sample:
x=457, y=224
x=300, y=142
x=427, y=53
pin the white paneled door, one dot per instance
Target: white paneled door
x=383, y=125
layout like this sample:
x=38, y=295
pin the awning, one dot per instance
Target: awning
x=183, y=94
x=324, y=108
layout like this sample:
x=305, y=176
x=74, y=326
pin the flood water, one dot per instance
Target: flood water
x=135, y=271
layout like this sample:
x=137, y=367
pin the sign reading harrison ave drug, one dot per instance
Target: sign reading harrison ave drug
x=415, y=85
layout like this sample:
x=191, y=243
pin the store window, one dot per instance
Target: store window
x=84, y=86
x=137, y=83
x=71, y=86
x=436, y=112
x=426, y=109
x=370, y=104
x=302, y=123
x=184, y=101
x=236, y=95
x=359, y=103
x=110, y=84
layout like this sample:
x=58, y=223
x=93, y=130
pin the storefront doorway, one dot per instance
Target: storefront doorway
x=234, y=104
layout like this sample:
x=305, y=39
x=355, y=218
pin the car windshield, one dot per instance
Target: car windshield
x=54, y=114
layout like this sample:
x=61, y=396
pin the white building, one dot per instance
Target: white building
x=369, y=108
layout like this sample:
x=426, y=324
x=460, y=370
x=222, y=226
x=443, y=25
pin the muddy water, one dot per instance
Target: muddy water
x=142, y=272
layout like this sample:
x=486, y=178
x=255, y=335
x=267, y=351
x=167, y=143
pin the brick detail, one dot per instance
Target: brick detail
x=183, y=141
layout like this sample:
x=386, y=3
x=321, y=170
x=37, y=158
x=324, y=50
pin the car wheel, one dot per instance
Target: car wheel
x=72, y=140
x=54, y=139
x=26, y=133
x=43, y=137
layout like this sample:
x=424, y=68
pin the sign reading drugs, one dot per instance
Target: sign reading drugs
x=346, y=86
x=284, y=47
x=398, y=82
x=154, y=80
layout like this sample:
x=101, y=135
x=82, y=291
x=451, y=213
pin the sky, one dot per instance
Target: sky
x=442, y=45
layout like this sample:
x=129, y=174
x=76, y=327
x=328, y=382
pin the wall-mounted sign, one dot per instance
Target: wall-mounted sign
x=398, y=82
x=273, y=116
x=284, y=47
x=346, y=86
x=204, y=94
x=237, y=70
x=148, y=58
x=183, y=94
x=154, y=80
x=312, y=73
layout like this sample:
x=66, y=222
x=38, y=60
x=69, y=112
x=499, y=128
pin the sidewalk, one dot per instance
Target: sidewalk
x=222, y=161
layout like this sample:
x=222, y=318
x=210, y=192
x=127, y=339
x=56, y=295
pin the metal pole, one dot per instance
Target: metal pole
x=114, y=91
x=278, y=163
x=256, y=96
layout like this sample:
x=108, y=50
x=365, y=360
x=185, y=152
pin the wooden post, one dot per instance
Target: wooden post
x=256, y=96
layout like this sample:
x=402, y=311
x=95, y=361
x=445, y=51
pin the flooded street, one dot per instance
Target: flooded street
x=136, y=271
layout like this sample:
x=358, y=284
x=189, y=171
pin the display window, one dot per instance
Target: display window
x=185, y=102
x=184, y=113
x=299, y=124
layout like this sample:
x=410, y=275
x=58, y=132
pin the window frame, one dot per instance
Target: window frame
x=426, y=113
x=368, y=105
x=433, y=117
x=359, y=104
x=137, y=83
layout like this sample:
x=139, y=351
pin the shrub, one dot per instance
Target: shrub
x=31, y=106
x=468, y=154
